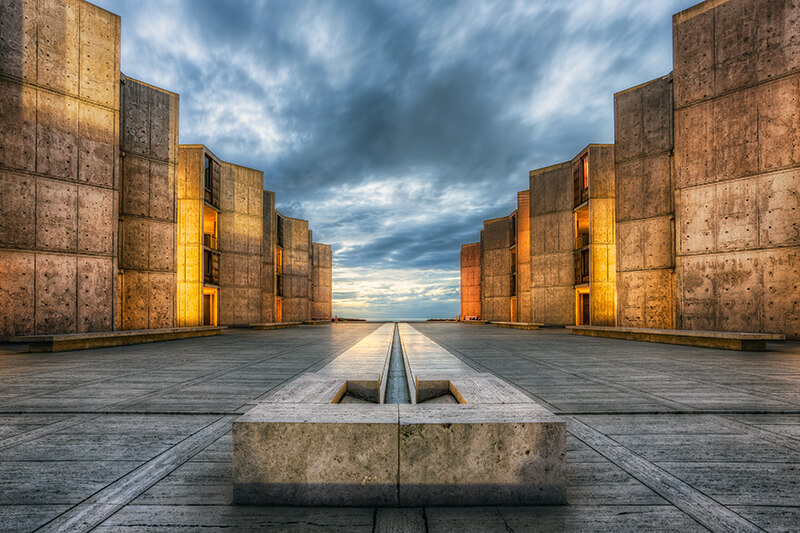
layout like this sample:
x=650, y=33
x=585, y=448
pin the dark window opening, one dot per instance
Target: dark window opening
x=210, y=267
x=279, y=231
x=582, y=267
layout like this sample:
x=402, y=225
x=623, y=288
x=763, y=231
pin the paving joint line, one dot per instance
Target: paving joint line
x=101, y=505
x=702, y=508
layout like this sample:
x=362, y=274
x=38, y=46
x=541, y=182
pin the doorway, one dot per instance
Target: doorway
x=209, y=307
x=584, y=306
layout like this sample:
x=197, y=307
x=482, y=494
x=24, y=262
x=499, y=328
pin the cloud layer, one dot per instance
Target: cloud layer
x=396, y=128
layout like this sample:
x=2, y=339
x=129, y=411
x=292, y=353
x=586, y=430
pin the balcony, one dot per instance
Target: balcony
x=582, y=258
x=210, y=241
x=210, y=268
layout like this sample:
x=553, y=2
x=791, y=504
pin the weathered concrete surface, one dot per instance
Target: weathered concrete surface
x=312, y=454
x=471, y=281
x=82, y=341
x=552, y=244
x=752, y=342
x=296, y=270
x=59, y=106
x=321, y=282
x=737, y=160
x=481, y=455
x=496, y=275
x=240, y=245
x=51, y=462
x=148, y=215
x=268, y=235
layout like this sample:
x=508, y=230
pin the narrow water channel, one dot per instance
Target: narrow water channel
x=396, y=384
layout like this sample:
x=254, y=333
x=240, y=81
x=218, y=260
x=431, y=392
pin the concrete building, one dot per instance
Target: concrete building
x=522, y=259
x=498, y=287
x=471, y=281
x=695, y=224
x=321, y=282
x=59, y=168
x=709, y=173
x=104, y=223
x=147, y=208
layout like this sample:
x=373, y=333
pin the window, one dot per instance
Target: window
x=279, y=231
x=210, y=267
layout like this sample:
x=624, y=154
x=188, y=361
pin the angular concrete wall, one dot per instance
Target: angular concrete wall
x=644, y=206
x=321, y=282
x=602, y=237
x=147, y=212
x=552, y=242
x=737, y=166
x=240, y=244
x=524, y=308
x=268, y=228
x=59, y=139
x=496, y=280
x=296, y=271
x=190, y=236
x=471, y=281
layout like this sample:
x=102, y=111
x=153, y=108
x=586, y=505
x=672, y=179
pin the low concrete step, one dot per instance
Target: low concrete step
x=518, y=325
x=729, y=340
x=103, y=339
x=275, y=325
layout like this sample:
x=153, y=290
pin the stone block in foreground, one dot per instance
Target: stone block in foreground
x=481, y=455
x=316, y=454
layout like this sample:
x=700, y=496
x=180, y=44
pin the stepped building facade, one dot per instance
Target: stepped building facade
x=691, y=219
x=106, y=222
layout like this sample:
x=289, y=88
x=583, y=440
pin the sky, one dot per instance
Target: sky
x=396, y=127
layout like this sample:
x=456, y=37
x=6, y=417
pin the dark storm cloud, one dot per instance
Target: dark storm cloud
x=396, y=127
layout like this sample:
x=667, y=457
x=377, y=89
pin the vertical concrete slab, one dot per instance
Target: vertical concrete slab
x=18, y=47
x=56, y=215
x=17, y=293
x=321, y=282
x=95, y=294
x=471, y=281
x=18, y=126
x=496, y=286
x=268, y=257
x=17, y=210
x=56, y=295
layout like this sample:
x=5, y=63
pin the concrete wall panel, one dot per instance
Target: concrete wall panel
x=99, y=55
x=57, y=135
x=56, y=215
x=734, y=40
x=17, y=210
x=735, y=135
x=779, y=209
x=697, y=222
x=95, y=294
x=58, y=45
x=135, y=250
x=135, y=186
x=56, y=297
x=18, y=125
x=735, y=215
x=161, y=246
x=135, y=300
x=162, y=299
x=96, y=222
x=643, y=188
x=17, y=283
x=779, y=123
x=780, y=306
x=162, y=191
x=18, y=28
x=694, y=156
x=97, y=145
x=693, y=57
x=778, y=38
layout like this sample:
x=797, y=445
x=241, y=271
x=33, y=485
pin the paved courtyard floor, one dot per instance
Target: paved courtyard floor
x=661, y=438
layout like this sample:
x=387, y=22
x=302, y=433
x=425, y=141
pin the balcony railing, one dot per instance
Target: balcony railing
x=210, y=268
x=581, y=240
x=581, y=267
x=210, y=241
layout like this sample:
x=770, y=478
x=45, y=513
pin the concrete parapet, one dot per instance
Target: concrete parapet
x=754, y=342
x=83, y=341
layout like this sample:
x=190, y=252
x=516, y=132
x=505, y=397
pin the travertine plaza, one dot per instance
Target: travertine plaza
x=682, y=231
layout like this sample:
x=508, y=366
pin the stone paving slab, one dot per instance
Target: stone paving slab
x=602, y=495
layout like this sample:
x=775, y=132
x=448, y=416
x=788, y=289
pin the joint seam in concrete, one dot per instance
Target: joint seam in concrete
x=702, y=508
x=94, y=510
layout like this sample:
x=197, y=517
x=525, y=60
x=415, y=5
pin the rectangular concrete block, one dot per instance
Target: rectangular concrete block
x=628, y=124
x=507, y=455
x=643, y=188
x=697, y=292
x=17, y=210
x=95, y=294
x=696, y=221
x=736, y=135
x=693, y=53
x=734, y=45
x=56, y=215
x=162, y=191
x=779, y=209
x=58, y=45
x=135, y=113
x=56, y=296
x=135, y=295
x=778, y=39
x=646, y=299
x=160, y=125
x=348, y=455
x=780, y=307
x=161, y=244
x=694, y=145
x=736, y=214
x=97, y=145
x=739, y=292
x=99, y=55
x=18, y=45
x=779, y=123
x=134, y=252
x=135, y=186
x=17, y=282
x=97, y=224
x=18, y=127
x=162, y=300
x=57, y=135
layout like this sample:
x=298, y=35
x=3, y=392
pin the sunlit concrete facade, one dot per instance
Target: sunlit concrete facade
x=104, y=223
x=147, y=208
x=59, y=167
x=691, y=219
x=470, y=281
x=497, y=273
